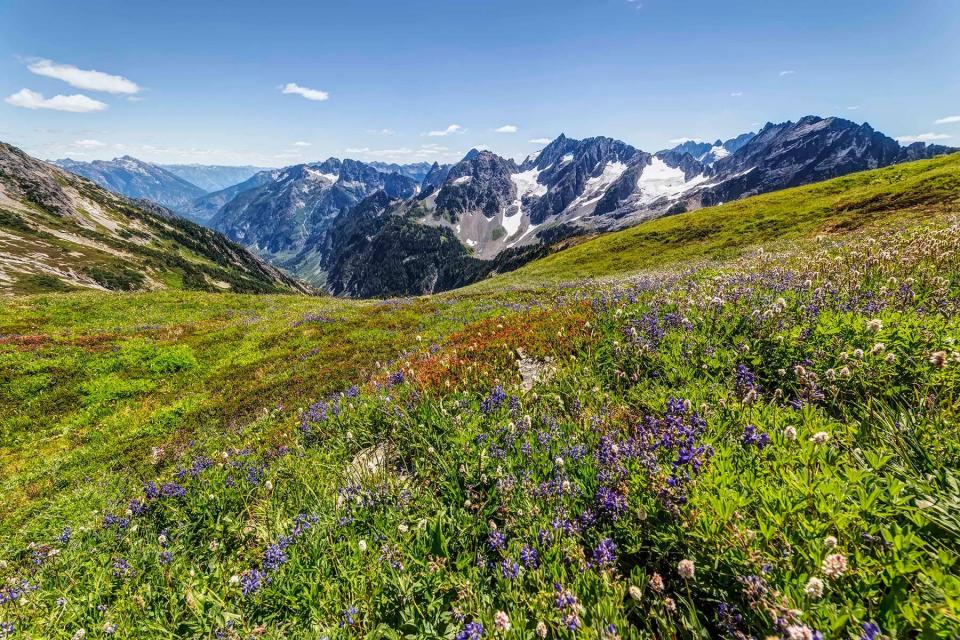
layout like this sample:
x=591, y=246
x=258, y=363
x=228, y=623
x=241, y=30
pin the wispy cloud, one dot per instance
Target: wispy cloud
x=923, y=137
x=947, y=120
x=853, y=107
x=309, y=94
x=682, y=140
x=301, y=143
x=83, y=78
x=382, y=132
x=89, y=144
x=788, y=72
x=423, y=152
x=736, y=94
x=540, y=140
x=78, y=103
x=454, y=128
x=507, y=128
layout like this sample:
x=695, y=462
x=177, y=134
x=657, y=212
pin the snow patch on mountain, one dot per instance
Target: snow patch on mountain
x=314, y=174
x=595, y=187
x=527, y=185
x=659, y=180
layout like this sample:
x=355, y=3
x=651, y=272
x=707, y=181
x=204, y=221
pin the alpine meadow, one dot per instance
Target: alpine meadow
x=303, y=360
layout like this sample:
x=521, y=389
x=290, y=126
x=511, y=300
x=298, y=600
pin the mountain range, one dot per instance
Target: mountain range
x=59, y=231
x=385, y=229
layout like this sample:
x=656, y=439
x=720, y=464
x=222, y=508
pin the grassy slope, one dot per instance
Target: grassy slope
x=91, y=383
x=60, y=232
x=715, y=233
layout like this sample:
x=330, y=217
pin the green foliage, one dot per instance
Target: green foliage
x=785, y=425
x=115, y=277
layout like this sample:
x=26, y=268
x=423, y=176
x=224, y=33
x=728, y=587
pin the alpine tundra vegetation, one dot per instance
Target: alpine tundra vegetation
x=755, y=435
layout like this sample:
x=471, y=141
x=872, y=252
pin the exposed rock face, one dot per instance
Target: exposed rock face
x=60, y=231
x=567, y=168
x=434, y=178
x=204, y=208
x=707, y=153
x=277, y=218
x=480, y=182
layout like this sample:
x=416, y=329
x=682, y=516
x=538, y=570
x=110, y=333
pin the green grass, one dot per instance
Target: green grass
x=262, y=408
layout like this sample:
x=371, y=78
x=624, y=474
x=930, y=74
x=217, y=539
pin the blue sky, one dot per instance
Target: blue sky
x=241, y=82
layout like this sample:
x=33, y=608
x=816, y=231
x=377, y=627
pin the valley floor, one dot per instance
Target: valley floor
x=763, y=444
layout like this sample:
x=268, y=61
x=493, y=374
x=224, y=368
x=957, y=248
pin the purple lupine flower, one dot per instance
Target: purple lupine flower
x=273, y=557
x=347, y=616
x=166, y=557
x=65, y=536
x=605, y=554
x=470, y=631
x=752, y=437
x=528, y=556
x=564, y=599
x=497, y=540
x=744, y=379
x=871, y=631
x=137, y=507
x=611, y=502
x=494, y=400
x=122, y=568
x=252, y=581
x=115, y=522
x=172, y=490
x=151, y=491
x=510, y=569
x=200, y=464
x=15, y=591
x=571, y=621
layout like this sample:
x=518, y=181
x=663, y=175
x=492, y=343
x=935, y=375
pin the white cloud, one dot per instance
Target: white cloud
x=82, y=78
x=507, y=128
x=76, y=103
x=454, y=128
x=423, y=152
x=788, y=72
x=382, y=132
x=853, y=107
x=89, y=144
x=923, y=137
x=682, y=140
x=540, y=141
x=301, y=143
x=309, y=94
x=736, y=94
x=947, y=120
